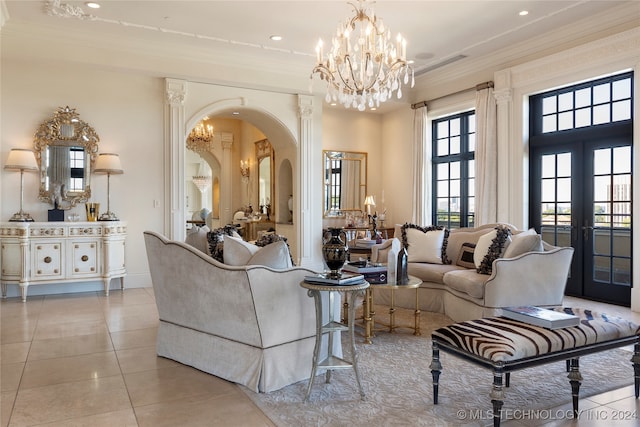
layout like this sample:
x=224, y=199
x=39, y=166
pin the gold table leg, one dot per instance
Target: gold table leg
x=392, y=311
x=367, y=315
x=417, y=316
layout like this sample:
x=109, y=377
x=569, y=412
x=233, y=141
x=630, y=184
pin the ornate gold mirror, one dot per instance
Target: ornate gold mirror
x=266, y=175
x=345, y=182
x=65, y=148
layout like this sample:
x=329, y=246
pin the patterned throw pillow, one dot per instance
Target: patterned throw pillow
x=465, y=259
x=499, y=239
x=216, y=240
x=269, y=238
x=425, y=244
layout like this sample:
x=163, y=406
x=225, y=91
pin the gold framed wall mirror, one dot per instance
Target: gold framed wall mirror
x=66, y=148
x=266, y=177
x=345, y=182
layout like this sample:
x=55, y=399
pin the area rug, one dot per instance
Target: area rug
x=397, y=382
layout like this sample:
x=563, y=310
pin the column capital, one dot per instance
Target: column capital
x=305, y=106
x=175, y=91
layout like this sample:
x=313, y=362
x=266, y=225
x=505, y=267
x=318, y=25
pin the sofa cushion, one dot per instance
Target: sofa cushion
x=197, y=237
x=465, y=258
x=238, y=252
x=431, y=272
x=468, y=281
x=270, y=237
x=458, y=237
x=425, y=244
x=216, y=240
x=490, y=247
x=527, y=241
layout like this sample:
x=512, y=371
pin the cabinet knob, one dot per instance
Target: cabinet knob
x=76, y=246
x=77, y=269
x=38, y=247
x=39, y=271
x=92, y=269
x=55, y=271
x=47, y=259
x=84, y=258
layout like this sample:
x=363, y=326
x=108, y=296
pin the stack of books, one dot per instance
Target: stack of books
x=543, y=317
x=327, y=279
x=374, y=274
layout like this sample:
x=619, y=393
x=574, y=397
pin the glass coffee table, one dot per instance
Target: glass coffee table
x=369, y=313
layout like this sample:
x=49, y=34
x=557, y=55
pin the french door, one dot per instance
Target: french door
x=581, y=197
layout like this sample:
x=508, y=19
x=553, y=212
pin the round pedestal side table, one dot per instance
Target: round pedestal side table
x=332, y=362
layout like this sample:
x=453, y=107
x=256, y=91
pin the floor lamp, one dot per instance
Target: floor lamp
x=21, y=159
x=108, y=163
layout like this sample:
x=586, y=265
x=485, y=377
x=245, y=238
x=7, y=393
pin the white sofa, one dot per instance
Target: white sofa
x=252, y=325
x=531, y=278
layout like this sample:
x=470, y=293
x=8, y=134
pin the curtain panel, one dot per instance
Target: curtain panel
x=422, y=148
x=486, y=158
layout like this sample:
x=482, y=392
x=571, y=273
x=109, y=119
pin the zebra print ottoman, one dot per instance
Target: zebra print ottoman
x=506, y=345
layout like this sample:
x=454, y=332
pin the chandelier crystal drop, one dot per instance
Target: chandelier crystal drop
x=363, y=66
x=201, y=138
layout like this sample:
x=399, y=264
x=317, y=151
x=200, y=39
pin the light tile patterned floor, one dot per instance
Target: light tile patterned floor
x=85, y=359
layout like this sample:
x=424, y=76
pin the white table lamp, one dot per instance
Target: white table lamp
x=21, y=159
x=108, y=163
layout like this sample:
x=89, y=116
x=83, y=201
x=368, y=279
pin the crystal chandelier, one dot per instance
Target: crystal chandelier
x=363, y=70
x=202, y=182
x=201, y=138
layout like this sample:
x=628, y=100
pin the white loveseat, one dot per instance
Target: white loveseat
x=531, y=278
x=252, y=325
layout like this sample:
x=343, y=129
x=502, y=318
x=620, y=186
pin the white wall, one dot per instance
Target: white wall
x=126, y=111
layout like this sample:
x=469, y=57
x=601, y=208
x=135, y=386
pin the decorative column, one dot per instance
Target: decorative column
x=304, y=174
x=175, y=91
x=226, y=177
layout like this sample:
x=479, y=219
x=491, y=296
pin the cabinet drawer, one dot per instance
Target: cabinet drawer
x=84, y=257
x=47, y=259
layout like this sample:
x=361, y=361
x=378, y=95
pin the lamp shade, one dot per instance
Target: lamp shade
x=21, y=159
x=368, y=201
x=108, y=163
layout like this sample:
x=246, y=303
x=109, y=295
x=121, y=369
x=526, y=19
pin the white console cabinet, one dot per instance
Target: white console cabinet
x=34, y=253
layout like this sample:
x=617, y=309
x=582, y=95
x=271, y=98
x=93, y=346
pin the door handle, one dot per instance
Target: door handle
x=586, y=228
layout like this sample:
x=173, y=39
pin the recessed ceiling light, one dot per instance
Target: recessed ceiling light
x=523, y=13
x=235, y=113
x=275, y=38
x=92, y=5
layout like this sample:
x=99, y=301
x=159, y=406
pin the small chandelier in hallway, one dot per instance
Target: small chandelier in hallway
x=364, y=66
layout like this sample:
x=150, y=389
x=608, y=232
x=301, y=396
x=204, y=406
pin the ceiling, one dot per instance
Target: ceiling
x=234, y=35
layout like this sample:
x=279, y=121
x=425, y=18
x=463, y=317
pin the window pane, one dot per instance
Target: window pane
x=564, y=164
x=565, y=120
x=443, y=171
x=601, y=93
x=443, y=188
x=471, y=142
x=583, y=97
x=454, y=127
x=549, y=105
x=621, y=89
x=622, y=160
x=601, y=191
x=621, y=271
x=443, y=129
x=472, y=123
x=548, y=190
x=601, y=114
x=443, y=147
x=455, y=145
x=602, y=242
x=622, y=188
x=564, y=189
x=455, y=189
x=565, y=101
x=602, y=161
x=621, y=110
x=471, y=168
x=548, y=166
x=549, y=124
x=471, y=191
x=583, y=117
x=455, y=170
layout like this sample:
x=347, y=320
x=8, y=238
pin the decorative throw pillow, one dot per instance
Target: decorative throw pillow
x=238, y=252
x=425, y=244
x=270, y=237
x=465, y=259
x=490, y=247
x=216, y=240
x=197, y=237
x=527, y=241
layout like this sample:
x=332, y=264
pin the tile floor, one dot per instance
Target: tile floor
x=89, y=360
